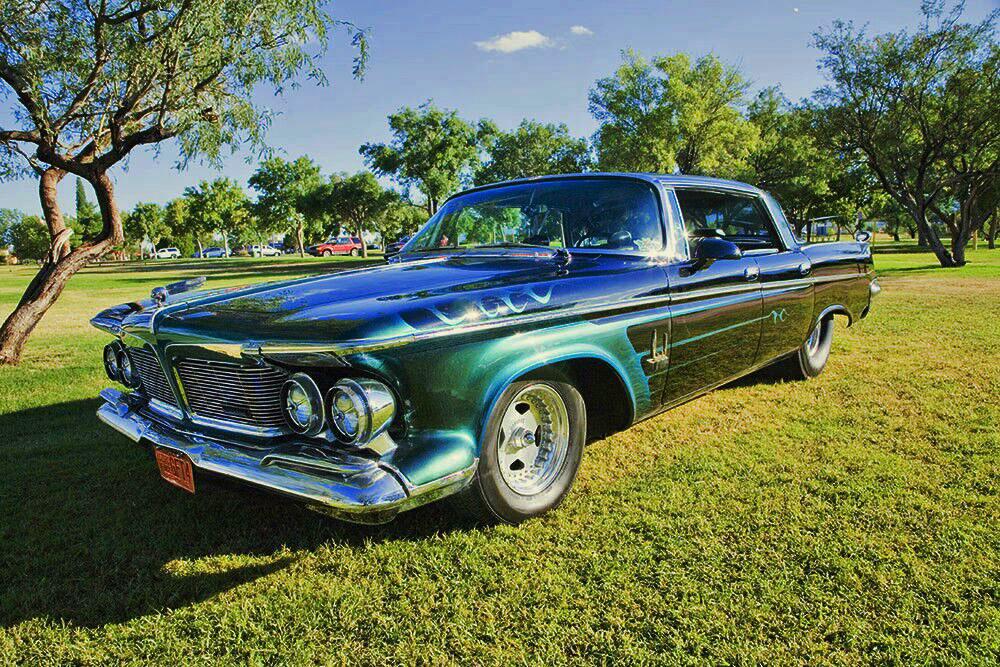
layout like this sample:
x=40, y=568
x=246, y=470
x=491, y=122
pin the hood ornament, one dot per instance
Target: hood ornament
x=160, y=294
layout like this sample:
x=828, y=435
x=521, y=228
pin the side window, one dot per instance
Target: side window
x=735, y=217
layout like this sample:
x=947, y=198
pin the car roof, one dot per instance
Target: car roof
x=667, y=180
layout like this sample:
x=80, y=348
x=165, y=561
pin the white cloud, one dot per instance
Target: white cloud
x=515, y=41
x=582, y=31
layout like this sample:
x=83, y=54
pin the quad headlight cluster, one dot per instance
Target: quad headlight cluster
x=118, y=365
x=358, y=409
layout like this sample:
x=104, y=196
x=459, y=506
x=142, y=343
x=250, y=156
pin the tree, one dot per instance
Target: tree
x=673, y=114
x=180, y=223
x=532, y=149
x=358, y=200
x=8, y=218
x=145, y=222
x=971, y=158
x=220, y=206
x=788, y=159
x=898, y=99
x=282, y=188
x=28, y=238
x=431, y=149
x=88, y=218
x=91, y=81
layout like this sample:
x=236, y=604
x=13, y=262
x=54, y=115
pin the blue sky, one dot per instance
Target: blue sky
x=448, y=51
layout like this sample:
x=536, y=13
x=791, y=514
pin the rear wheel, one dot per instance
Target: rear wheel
x=810, y=359
x=354, y=252
x=531, y=452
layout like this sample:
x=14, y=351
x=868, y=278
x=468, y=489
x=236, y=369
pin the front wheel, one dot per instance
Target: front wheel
x=532, y=449
x=354, y=252
x=327, y=253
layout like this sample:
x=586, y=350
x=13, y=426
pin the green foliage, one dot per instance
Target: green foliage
x=789, y=159
x=282, y=191
x=532, y=149
x=358, y=201
x=921, y=108
x=146, y=222
x=431, y=149
x=95, y=81
x=8, y=218
x=29, y=238
x=220, y=206
x=671, y=114
x=88, y=222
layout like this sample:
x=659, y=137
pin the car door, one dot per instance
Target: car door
x=716, y=307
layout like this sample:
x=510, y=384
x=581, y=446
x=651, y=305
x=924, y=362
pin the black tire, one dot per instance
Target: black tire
x=810, y=359
x=354, y=252
x=489, y=498
x=327, y=253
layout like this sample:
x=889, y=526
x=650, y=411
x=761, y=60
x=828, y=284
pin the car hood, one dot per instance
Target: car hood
x=384, y=302
x=374, y=303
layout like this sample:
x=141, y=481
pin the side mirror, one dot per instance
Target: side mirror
x=712, y=248
x=861, y=236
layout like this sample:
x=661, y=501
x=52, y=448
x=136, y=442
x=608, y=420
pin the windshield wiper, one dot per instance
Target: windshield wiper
x=514, y=244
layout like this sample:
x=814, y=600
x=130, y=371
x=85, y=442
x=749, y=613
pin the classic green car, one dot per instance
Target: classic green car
x=524, y=320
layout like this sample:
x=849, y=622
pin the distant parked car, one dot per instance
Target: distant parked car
x=341, y=245
x=168, y=253
x=374, y=246
x=210, y=253
x=397, y=245
x=263, y=251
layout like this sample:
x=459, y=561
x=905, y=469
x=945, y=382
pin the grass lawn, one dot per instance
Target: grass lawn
x=850, y=519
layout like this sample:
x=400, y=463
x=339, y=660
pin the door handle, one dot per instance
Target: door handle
x=805, y=269
x=751, y=273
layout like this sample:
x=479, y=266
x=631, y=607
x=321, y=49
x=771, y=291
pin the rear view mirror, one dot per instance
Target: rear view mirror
x=713, y=248
x=861, y=236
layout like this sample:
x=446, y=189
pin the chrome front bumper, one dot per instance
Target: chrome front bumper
x=338, y=483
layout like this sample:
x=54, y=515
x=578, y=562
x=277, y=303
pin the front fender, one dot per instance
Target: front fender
x=521, y=366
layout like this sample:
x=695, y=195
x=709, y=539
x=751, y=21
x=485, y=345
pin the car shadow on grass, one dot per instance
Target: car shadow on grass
x=89, y=533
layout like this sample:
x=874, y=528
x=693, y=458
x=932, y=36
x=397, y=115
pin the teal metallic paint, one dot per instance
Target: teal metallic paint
x=449, y=333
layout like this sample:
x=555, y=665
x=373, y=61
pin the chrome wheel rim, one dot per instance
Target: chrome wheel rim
x=812, y=344
x=533, y=439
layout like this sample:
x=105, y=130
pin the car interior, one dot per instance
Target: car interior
x=735, y=217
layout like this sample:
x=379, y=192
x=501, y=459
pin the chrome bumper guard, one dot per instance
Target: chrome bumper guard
x=337, y=483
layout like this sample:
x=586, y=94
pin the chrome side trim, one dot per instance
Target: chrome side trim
x=265, y=348
x=332, y=481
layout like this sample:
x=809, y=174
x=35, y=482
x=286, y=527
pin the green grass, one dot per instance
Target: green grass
x=851, y=519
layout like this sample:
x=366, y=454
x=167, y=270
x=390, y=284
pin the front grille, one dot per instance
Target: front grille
x=154, y=382
x=249, y=395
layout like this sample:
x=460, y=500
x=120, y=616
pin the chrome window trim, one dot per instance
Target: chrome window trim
x=753, y=193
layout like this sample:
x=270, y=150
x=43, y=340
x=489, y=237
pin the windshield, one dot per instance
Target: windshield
x=610, y=213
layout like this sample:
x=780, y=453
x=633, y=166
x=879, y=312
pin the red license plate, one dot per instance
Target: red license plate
x=176, y=469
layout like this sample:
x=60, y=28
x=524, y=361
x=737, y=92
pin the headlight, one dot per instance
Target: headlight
x=303, y=404
x=111, y=366
x=126, y=369
x=360, y=409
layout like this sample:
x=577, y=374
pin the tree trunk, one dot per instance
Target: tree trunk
x=931, y=238
x=299, y=239
x=201, y=250
x=364, y=245
x=60, y=265
x=991, y=241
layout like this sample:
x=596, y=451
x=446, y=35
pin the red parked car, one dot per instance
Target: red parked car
x=341, y=245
